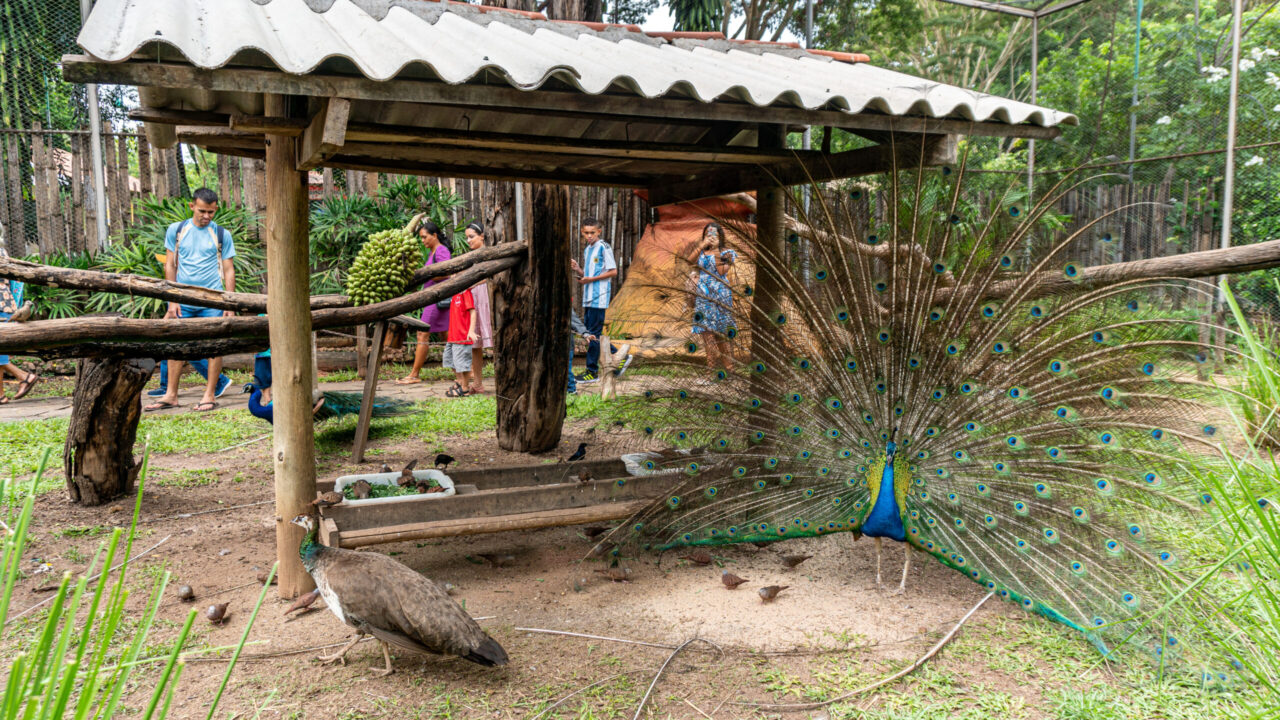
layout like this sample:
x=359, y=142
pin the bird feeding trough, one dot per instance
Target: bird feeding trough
x=389, y=479
x=492, y=499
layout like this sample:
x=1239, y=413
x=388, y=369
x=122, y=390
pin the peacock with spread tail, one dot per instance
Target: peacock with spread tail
x=949, y=377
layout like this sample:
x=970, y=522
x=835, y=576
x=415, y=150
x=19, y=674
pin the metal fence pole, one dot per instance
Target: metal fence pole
x=1229, y=176
x=95, y=147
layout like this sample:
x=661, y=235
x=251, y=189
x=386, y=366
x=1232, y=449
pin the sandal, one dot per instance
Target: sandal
x=411, y=380
x=205, y=407
x=456, y=391
x=159, y=405
x=25, y=386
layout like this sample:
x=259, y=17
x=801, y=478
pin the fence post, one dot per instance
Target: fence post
x=95, y=147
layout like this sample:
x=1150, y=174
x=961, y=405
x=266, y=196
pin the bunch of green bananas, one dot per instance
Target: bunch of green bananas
x=383, y=266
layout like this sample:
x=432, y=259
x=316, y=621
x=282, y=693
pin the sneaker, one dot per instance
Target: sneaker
x=588, y=377
x=625, y=364
x=224, y=382
x=158, y=392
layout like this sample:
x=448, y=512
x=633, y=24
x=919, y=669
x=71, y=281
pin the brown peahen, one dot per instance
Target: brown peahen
x=381, y=597
x=945, y=374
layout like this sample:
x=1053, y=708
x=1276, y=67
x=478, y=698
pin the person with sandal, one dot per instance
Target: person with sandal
x=463, y=333
x=436, y=316
x=197, y=252
x=12, y=309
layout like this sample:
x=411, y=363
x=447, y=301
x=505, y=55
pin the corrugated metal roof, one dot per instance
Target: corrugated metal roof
x=456, y=43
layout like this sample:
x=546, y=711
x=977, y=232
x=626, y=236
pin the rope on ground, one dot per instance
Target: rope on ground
x=260, y=438
x=645, y=700
x=126, y=561
x=183, y=516
x=798, y=707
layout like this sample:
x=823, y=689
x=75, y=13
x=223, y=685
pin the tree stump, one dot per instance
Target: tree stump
x=105, y=409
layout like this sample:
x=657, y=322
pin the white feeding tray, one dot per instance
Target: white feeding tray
x=390, y=479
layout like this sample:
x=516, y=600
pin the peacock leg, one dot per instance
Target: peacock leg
x=386, y=655
x=906, y=568
x=340, y=656
x=878, y=548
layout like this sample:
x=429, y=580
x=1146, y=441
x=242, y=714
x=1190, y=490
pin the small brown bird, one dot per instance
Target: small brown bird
x=385, y=468
x=262, y=576
x=730, y=580
x=361, y=489
x=186, y=594
x=423, y=487
x=791, y=561
x=769, y=592
x=498, y=559
x=594, y=531
x=584, y=476
x=328, y=499
x=698, y=557
x=216, y=614
x=616, y=574
x=761, y=545
x=406, y=475
x=304, y=602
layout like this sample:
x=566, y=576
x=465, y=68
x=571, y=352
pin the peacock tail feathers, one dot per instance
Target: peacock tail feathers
x=951, y=367
x=337, y=404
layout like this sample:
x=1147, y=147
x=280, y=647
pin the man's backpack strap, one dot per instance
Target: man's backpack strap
x=219, y=234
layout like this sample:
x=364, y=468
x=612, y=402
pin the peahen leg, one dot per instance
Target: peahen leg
x=340, y=656
x=386, y=655
x=878, y=549
x=906, y=568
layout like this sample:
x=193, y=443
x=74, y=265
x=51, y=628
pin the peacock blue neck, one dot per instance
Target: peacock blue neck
x=885, y=518
x=310, y=548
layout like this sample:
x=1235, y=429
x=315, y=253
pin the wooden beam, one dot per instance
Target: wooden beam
x=370, y=390
x=604, y=512
x=83, y=69
x=325, y=135
x=566, y=177
x=160, y=289
x=262, y=125
x=294, y=452
x=905, y=153
x=167, y=116
x=526, y=159
x=181, y=350
x=22, y=338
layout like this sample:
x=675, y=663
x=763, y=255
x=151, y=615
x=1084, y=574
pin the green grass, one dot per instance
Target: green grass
x=430, y=420
x=188, y=477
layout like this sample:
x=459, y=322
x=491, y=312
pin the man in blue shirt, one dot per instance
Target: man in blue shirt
x=597, y=273
x=197, y=252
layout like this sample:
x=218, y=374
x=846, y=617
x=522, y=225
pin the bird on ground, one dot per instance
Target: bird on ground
x=793, y=561
x=580, y=453
x=216, y=614
x=381, y=597
x=186, y=594
x=328, y=499
x=406, y=475
x=594, y=531
x=730, y=580
x=616, y=574
x=361, y=489
x=951, y=376
x=264, y=575
x=443, y=461
x=303, y=602
x=769, y=592
x=498, y=559
x=385, y=468
x=698, y=557
x=585, y=476
x=331, y=405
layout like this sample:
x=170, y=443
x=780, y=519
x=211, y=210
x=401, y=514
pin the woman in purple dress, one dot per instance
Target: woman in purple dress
x=435, y=242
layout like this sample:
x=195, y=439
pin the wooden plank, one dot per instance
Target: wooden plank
x=362, y=351
x=288, y=127
x=501, y=523
x=160, y=171
x=169, y=116
x=503, y=501
x=558, y=177
x=81, y=68
x=78, y=236
x=325, y=135
x=144, y=166
x=907, y=152
x=293, y=455
x=370, y=392
x=126, y=196
x=499, y=477
x=38, y=194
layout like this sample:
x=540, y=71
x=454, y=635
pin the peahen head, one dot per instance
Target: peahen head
x=309, y=546
x=306, y=522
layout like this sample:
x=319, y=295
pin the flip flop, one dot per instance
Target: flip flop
x=25, y=386
x=211, y=406
x=4, y=400
x=408, y=381
x=159, y=405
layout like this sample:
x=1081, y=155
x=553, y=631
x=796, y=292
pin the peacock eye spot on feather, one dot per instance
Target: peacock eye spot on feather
x=1102, y=484
x=1148, y=368
x=1205, y=498
x=754, y=403
x=748, y=291
x=682, y=394
x=673, y=502
x=780, y=319
x=1209, y=430
x=820, y=275
x=934, y=316
x=691, y=347
x=1202, y=357
x=1106, y=237
x=1036, y=311
x=999, y=348
x=954, y=219
x=1006, y=261
x=793, y=238
x=1071, y=271
x=873, y=239
x=883, y=336
x=648, y=430
x=759, y=368
x=880, y=286
x=999, y=467
x=939, y=268
x=758, y=435
x=739, y=471
x=731, y=332
x=698, y=316
x=716, y=407
x=804, y=455
x=1099, y=336
x=1014, y=211
x=1133, y=306
x=682, y=435
x=721, y=374
x=855, y=194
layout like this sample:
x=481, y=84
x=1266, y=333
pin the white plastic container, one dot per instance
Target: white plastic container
x=390, y=479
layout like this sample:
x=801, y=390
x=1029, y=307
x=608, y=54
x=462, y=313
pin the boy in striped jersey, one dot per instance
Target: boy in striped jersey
x=596, y=278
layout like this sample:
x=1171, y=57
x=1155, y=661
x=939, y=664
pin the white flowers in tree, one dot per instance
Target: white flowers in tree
x=1164, y=120
x=1255, y=160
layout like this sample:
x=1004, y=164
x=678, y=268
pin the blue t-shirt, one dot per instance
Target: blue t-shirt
x=198, y=254
x=597, y=258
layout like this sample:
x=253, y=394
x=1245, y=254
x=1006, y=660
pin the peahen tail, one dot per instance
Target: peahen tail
x=946, y=373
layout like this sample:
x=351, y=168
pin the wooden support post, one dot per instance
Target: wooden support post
x=770, y=264
x=105, y=409
x=532, y=338
x=362, y=351
x=288, y=306
x=370, y=391
x=609, y=362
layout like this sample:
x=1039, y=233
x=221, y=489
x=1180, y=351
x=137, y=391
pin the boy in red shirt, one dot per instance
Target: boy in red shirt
x=462, y=335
